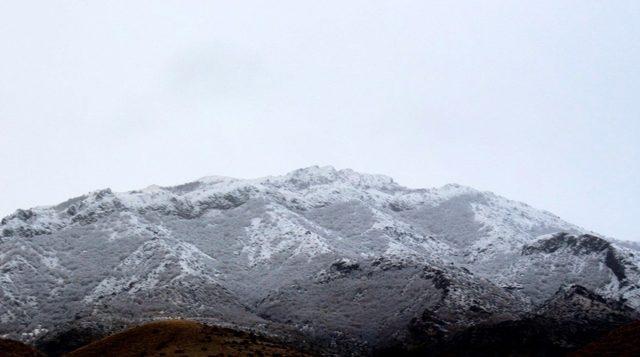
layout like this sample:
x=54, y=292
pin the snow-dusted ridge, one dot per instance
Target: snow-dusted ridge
x=311, y=186
x=318, y=184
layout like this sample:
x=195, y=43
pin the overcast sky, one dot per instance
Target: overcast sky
x=538, y=102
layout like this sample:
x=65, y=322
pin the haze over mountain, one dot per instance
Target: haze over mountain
x=351, y=261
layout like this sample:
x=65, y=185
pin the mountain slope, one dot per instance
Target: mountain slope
x=246, y=252
x=384, y=302
x=571, y=318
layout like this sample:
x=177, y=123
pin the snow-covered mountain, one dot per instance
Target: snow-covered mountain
x=333, y=253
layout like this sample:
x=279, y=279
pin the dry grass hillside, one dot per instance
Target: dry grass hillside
x=184, y=338
x=621, y=342
x=10, y=348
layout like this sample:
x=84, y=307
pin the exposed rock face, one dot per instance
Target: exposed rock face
x=349, y=259
x=585, y=244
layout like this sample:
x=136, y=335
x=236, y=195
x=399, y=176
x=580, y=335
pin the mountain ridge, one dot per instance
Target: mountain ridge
x=261, y=246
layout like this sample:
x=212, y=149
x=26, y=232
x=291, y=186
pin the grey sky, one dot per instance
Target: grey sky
x=538, y=102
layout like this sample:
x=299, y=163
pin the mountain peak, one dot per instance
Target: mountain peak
x=314, y=170
x=315, y=175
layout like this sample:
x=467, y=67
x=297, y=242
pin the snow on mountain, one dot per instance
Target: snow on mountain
x=157, y=261
x=250, y=240
x=557, y=260
x=277, y=232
